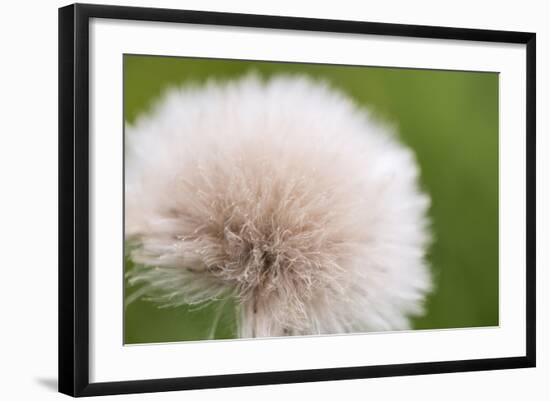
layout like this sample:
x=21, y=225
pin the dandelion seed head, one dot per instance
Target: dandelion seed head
x=283, y=195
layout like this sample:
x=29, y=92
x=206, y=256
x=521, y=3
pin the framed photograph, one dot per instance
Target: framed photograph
x=251, y=199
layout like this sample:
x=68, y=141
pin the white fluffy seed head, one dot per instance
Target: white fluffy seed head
x=283, y=195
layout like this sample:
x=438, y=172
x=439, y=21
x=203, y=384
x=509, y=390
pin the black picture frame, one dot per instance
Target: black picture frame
x=74, y=198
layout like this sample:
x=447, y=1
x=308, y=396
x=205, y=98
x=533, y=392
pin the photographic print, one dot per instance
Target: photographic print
x=268, y=199
x=258, y=199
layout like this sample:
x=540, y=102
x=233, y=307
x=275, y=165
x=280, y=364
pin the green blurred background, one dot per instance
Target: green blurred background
x=450, y=120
